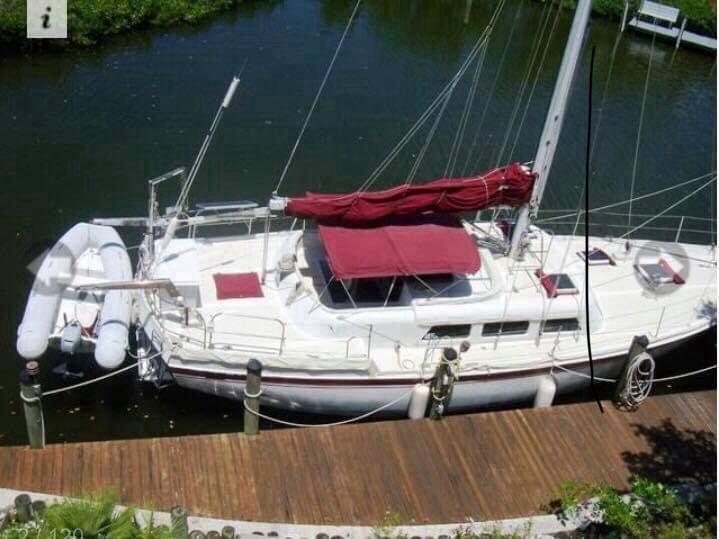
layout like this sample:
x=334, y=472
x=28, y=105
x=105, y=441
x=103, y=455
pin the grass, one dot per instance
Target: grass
x=89, y=21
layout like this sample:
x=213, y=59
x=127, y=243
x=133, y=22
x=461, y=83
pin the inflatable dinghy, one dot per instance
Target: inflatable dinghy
x=78, y=320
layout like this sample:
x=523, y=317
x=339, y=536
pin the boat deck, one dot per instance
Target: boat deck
x=480, y=466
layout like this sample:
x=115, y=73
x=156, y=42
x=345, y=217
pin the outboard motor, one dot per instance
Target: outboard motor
x=70, y=343
x=71, y=338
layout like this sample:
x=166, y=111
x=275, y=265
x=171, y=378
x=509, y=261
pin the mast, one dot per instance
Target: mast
x=552, y=125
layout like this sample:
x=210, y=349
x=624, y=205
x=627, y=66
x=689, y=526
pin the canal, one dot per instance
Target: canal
x=81, y=131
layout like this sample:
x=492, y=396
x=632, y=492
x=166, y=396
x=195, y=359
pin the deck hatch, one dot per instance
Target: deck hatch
x=597, y=257
x=556, y=284
x=658, y=274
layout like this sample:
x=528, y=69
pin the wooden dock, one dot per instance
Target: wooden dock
x=481, y=466
x=661, y=20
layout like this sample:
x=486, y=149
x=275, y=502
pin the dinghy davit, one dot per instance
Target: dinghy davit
x=59, y=312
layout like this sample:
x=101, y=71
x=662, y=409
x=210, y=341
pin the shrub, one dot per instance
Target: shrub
x=650, y=509
x=90, y=518
x=90, y=20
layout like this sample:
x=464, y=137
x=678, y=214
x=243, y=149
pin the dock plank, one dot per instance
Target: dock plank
x=482, y=466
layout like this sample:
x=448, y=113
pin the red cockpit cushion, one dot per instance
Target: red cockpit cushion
x=237, y=285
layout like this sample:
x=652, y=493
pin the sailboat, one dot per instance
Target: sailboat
x=353, y=307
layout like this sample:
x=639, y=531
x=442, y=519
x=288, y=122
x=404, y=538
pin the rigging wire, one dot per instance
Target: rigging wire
x=652, y=218
x=475, y=139
x=640, y=197
x=317, y=97
x=476, y=48
x=428, y=139
x=536, y=43
x=537, y=73
x=471, y=94
x=641, y=123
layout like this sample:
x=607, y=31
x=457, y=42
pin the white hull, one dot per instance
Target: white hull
x=469, y=393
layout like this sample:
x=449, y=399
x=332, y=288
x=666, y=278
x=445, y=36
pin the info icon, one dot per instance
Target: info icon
x=47, y=19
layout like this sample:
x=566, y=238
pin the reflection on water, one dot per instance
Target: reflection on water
x=82, y=131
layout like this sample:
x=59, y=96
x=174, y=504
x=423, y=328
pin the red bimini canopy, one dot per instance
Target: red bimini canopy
x=422, y=245
x=510, y=186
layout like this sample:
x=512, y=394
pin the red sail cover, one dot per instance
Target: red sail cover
x=420, y=245
x=506, y=186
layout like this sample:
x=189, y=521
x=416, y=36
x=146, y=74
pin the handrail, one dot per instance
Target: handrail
x=622, y=226
x=283, y=326
x=573, y=213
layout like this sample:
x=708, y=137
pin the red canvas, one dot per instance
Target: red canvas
x=422, y=245
x=506, y=186
x=237, y=285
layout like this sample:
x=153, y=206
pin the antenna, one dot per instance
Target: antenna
x=185, y=191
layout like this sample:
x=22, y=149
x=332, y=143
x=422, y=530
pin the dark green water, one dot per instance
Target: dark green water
x=82, y=131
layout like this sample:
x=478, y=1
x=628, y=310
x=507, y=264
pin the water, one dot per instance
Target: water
x=82, y=131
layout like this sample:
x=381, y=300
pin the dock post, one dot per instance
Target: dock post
x=676, y=46
x=623, y=26
x=30, y=393
x=442, y=384
x=38, y=509
x=23, y=508
x=178, y=522
x=253, y=390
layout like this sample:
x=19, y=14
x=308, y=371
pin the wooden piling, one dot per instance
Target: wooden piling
x=30, y=393
x=23, y=508
x=38, y=509
x=253, y=390
x=676, y=46
x=442, y=384
x=623, y=25
x=178, y=522
x=467, y=10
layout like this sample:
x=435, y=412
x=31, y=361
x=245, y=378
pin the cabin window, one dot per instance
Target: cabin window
x=505, y=328
x=363, y=292
x=376, y=290
x=560, y=324
x=459, y=331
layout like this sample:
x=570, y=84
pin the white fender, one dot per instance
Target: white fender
x=42, y=306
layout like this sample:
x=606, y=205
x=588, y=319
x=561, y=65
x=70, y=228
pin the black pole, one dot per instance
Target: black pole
x=586, y=230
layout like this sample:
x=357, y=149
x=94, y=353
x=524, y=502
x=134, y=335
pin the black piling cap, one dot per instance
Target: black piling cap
x=254, y=367
x=450, y=354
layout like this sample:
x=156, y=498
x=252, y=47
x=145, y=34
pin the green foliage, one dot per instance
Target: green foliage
x=649, y=510
x=386, y=529
x=90, y=20
x=701, y=13
x=96, y=518
x=91, y=518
